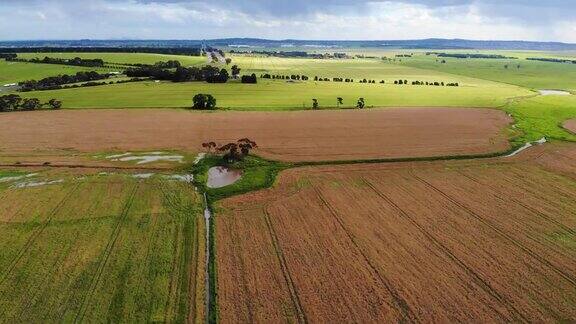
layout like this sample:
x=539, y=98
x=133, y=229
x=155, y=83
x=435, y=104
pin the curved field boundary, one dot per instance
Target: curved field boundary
x=308, y=136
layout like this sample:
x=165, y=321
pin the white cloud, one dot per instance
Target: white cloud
x=323, y=19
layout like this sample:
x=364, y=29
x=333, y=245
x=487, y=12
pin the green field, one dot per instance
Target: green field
x=121, y=58
x=531, y=74
x=100, y=249
x=13, y=72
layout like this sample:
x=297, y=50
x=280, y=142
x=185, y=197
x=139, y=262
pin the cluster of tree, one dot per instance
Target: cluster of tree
x=285, y=77
x=56, y=82
x=435, y=83
x=404, y=55
x=203, y=102
x=249, y=79
x=207, y=73
x=232, y=152
x=276, y=53
x=360, y=104
x=552, y=60
x=321, y=79
x=13, y=102
x=473, y=56
x=368, y=81
x=8, y=56
x=74, y=62
x=188, y=51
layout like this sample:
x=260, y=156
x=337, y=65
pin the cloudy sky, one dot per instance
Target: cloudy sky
x=542, y=20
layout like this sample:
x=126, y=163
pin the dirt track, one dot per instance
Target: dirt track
x=571, y=125
x=465, y=241
x=288, y=136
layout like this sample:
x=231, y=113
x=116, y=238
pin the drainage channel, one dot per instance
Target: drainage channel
x=207, y=218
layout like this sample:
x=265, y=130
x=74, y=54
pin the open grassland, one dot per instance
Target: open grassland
x=101, y=248
x=281, y=95
x=287, y=136
x=544, y=116
x=121, y=58
x=531, y=74
x=439, y=241
x=13, y=72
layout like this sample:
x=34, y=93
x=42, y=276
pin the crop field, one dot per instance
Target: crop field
x=286, y=136
x=92, y=248
x=459, y=241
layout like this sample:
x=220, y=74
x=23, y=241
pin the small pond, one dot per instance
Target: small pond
x=554, y=93
x=219, y=177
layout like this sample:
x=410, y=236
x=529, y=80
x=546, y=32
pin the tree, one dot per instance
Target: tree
x=234, y=152
x=315, y=104
x=10, y=102
x=209, y=146
x=31, y=104
x=340, y=101
x=235, y=71
x=361, y=104
x=55, y=104
x=204, y=102
x=228, y=61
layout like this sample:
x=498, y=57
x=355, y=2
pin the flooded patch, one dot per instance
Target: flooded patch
x=17, y=178
x=188, y=178
x=527, y=146
x=144, y=158
x=554, y=93
x=143, y=175
x=219, y=177
x=32, y=184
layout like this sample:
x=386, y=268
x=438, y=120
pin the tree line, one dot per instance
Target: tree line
x=472, y=56
x=187, y=51
x=52, y=60
x=206, y=73
x=56, y=82
x=13, y=102
x=428, y=83
x=551, y=60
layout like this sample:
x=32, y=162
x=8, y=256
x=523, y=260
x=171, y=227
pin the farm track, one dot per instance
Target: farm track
x=285, y=272
x=106, y=255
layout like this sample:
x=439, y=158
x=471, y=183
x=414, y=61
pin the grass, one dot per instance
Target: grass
x=532, y=74
x=279, y=95
x=257, y=173
x=101, y=249
x=121, y=58
x=13, y=72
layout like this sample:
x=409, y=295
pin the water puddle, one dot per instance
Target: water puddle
x=527, y=146
x=219, y=177
x=17, y=178
x=143, y=175
x=188, y=178
x=554, y=93
x=32, y=184
x=144, y=158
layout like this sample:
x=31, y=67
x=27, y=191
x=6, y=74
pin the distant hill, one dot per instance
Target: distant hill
x=432, y=43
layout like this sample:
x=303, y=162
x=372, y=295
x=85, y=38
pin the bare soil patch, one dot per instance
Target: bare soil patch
x=287, y=136
x=571, y=125
x=459, y=241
